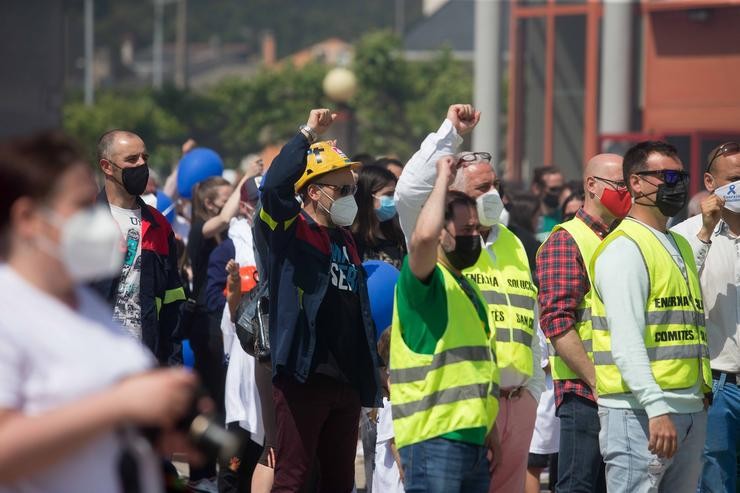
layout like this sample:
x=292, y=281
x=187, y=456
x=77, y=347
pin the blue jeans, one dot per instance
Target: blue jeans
x=632, y=468
x=580, y=468
x=445, y=466
x=720, y=450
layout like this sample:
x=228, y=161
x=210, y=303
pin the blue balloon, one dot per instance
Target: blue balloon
x=196, y=166
x=381, y=284
x=188, y=358
x=165, y=205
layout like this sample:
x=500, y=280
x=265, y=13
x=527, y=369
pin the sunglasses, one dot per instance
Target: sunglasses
x=724, y=149
x=668, y=176
x=615, y=184
x=473, y=157
x=344, y=190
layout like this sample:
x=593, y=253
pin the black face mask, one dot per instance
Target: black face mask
x=135, y=179
x=466, y=252
x=670, y=199
x=551, y=200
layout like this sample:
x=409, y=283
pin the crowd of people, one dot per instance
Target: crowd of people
x=573, y=326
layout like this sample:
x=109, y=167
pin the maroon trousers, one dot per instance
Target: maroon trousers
x=316, y=421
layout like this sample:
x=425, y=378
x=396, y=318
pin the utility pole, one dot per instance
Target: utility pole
x=181, y=45
x=89, y=53
x=487, y=77
x=157, y=44
x=400, y=17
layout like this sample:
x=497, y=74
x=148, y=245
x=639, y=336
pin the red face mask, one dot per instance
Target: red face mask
x=618, y=202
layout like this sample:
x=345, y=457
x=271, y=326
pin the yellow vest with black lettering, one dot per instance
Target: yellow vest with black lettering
x=507, y=286
x=455, y=388
x=675, y=336
x=587, y=241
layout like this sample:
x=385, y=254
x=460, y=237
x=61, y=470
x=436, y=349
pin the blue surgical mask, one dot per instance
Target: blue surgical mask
x=387, y=209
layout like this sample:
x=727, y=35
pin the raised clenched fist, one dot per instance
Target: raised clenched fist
x=463, y=117
x=320, y=119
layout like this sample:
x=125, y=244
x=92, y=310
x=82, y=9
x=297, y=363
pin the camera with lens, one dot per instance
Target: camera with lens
x=207, y=433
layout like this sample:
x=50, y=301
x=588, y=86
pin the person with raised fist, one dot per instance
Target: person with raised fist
x=325, y=365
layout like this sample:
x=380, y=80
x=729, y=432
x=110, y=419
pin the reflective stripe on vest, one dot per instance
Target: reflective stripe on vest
x=507, y=286
x=675, y=336
x=453, y=389
x=587, y=241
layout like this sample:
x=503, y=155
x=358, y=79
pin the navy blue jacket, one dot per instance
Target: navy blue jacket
x=217, y=276
x=160, y=291
x=299, y=262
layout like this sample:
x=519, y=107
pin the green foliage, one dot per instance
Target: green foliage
x=397, y=103
x=137, y=112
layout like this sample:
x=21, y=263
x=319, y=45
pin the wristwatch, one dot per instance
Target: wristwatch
x=309, y=133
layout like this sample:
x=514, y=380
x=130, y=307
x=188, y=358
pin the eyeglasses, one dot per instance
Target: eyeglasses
x=344, y=190
x=615, y=184
x=726, y=148
x=669, y=176
x=473, y=157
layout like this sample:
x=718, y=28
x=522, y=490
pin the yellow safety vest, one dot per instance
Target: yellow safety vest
x=507, y=286
x=587, y=241
x=675, y=337
x=455, y=388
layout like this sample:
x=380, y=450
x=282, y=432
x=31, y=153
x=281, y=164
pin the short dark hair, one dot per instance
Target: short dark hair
x=384, y=346
x=635, y=159
x=523, y=207
x=455, y=197
x=364, y=158
x=540, y=172
x=31, y=167
x=384, y=162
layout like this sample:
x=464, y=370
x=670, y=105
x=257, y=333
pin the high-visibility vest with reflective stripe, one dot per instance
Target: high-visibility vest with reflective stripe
x=455, y=388
x=507, y=286
x=587, y=241
x=675, y=337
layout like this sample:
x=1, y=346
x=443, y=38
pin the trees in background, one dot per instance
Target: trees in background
x=397, y=103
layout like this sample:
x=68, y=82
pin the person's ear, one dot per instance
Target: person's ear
x=106, y=167
x=635, y=185
x=313, y=192
x=709, y=183
x=591, y=186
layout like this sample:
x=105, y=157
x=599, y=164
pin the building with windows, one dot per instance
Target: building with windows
x=596, y=76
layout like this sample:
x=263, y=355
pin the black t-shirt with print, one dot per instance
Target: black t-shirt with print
x=341, y=346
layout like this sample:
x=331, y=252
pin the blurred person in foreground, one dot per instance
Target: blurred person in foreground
x=324, y=358
x=444, y=376
x=547, y=184
x=565, y=318
x=146, y=293
x=375, y=229
x=501, y=271
x=73, y=385
x=649, y=343
x=714, y=236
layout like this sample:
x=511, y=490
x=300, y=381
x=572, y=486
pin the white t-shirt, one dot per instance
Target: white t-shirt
x=386, y=477
x=51, y=355
x=127, y=309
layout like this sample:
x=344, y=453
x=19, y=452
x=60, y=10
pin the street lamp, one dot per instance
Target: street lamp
x=340, y=85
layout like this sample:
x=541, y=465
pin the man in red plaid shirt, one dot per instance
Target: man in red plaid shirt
x=562, y=272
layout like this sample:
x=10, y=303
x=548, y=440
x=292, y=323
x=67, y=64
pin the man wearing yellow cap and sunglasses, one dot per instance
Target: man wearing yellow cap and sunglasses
x=322, y=334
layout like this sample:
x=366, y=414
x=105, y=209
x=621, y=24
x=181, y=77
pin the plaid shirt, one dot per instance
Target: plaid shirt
x=563, y=283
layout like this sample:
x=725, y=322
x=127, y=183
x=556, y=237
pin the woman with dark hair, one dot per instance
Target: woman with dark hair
x=376, y=230
x=215, y=203
x=74, y=386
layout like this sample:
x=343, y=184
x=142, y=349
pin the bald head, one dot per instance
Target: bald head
x=604, y=165
x=109, y=140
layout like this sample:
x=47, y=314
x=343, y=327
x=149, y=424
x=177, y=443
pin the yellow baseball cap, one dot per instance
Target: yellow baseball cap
x=324, y=157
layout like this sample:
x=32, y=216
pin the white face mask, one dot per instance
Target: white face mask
x=504, y=218
x=489, y=207
x=343, y=210
x=90, y=244
x=731, y=194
